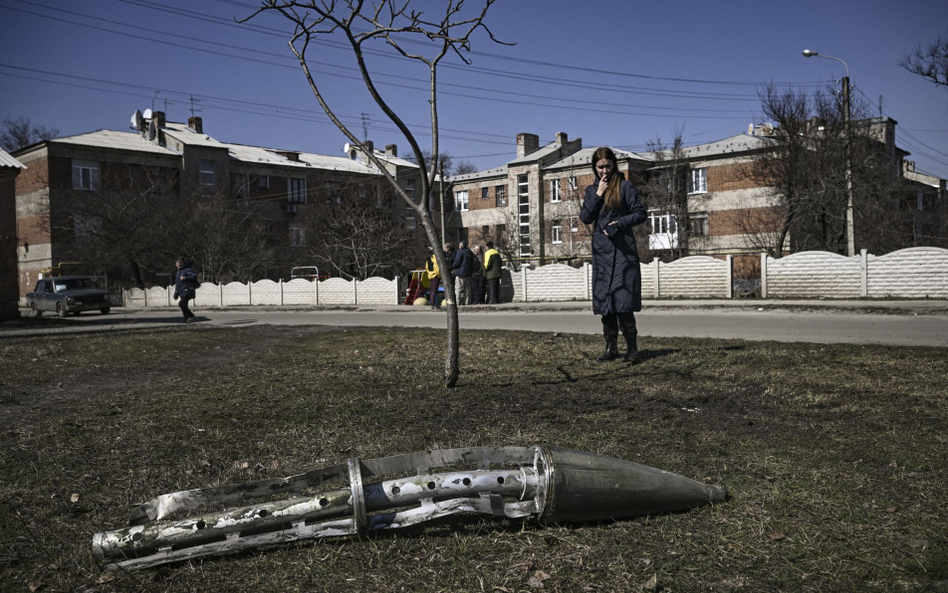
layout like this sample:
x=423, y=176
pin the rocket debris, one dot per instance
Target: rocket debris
x=551, y=484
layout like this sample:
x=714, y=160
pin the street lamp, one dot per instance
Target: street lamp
x=850, y=234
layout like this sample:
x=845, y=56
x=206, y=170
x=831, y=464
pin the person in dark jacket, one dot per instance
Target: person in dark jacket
x=463, y=268
x=492, y=272
x=477, y=277
x=185, y=286
x=613, y=207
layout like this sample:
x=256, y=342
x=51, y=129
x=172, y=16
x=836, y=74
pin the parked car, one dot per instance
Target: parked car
x=69, y=294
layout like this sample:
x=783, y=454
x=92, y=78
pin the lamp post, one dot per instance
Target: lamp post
x=850, y=231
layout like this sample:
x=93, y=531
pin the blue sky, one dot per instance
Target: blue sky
x=608, y=71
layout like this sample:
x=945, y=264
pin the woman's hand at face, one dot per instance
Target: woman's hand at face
x=603, y=186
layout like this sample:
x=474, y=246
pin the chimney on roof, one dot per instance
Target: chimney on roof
x=391, y=150
x=196, y=124
x=527, y=143
x=562, y=139
x=159, y=118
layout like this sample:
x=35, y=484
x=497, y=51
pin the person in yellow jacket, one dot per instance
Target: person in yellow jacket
x=434, y=277
x=492, y=272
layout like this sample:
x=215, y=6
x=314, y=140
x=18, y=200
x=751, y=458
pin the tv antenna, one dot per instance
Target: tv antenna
x=164, y=100
x=366, y=118
x=193, y=109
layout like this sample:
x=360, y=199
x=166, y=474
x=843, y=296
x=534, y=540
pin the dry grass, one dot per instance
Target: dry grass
x=835, y=456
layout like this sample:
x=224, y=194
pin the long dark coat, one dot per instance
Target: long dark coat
x=617, y=279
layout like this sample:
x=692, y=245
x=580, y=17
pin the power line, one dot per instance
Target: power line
x=582, y=102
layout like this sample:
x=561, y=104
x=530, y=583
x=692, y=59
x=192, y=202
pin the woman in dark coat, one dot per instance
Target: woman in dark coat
x=613, y=207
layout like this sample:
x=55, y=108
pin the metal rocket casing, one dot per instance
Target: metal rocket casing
x=578, y=486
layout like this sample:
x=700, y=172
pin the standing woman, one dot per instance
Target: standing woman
x=613, y=207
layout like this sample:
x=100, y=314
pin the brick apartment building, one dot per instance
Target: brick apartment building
x=9, y=293
x=192, y=163
x=531, y=204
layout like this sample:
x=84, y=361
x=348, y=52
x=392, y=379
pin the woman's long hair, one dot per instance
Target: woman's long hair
x=612, y=197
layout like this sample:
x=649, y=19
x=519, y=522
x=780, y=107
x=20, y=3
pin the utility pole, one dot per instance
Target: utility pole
x=850, y=227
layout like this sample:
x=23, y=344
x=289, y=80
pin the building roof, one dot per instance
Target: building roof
x=8, y=161
x=186, y=135
x=495, y=172
x=119, y=140
x=536, y=154
x=734, y=144
x=583, y=158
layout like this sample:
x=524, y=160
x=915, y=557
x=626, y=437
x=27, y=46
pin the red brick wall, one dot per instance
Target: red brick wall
x=9, y=281
x=731, y=177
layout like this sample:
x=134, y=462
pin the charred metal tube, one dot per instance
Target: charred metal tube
x=549, y=483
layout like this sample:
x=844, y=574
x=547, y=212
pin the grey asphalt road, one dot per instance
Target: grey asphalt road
x=862, y=325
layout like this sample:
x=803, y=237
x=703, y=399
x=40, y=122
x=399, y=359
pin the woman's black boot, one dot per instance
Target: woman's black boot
x=632, y=351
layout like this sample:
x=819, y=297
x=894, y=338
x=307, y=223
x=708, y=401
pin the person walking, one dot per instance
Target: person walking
x=613, y=207
x=185, y=286
x=492, y=269
x=434, y=277
x=463, y=268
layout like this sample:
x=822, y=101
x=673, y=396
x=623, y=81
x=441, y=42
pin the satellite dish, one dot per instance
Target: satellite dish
x=152, y=130
x=346, y=148
x=138, y=120
x=147, y=114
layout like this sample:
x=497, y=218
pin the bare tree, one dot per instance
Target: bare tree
x=358, y=237
x=666, y=191
x=19, y=132
x=465, y=168
x=391, y=21
x=132, y=221
x=804, y=172
x=930, y=63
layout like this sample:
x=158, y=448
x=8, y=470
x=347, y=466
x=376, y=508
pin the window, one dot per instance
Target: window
x=297, y=190
x=573, y=223
x=523, y=205
x=485, y=232
x=296, y=237
x=362, y=190
x=500, y=196
x=555, y=193
x=663, y=230
x=556, y=232
x=698, y=181
x=85, y=175
x=206, y=175
x=263, y=182
x=460, y=199
x=573, y=184
x=699, y=224
x=501, y=232
x=484, y=192
x=242, y=180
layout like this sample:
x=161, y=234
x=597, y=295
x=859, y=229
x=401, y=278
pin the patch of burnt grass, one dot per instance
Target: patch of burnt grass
x=834, y=455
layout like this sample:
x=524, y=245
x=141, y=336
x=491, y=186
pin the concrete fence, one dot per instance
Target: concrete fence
x=918, y=272
x=334, y=291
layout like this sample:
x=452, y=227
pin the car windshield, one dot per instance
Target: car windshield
x=73, y=284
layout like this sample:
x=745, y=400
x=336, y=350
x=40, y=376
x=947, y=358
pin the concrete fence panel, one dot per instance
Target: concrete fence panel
x=299, y=291
x=511, y=286
x=266, y=292
x=649, y=284
x=336, y=291
x=208, y=295
x=556, y=282
x=916, y=272
x=697, y=276
x=159, y=296
x=377, y=291
x=235, y=293
x=814, y=274
x=134, y=297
